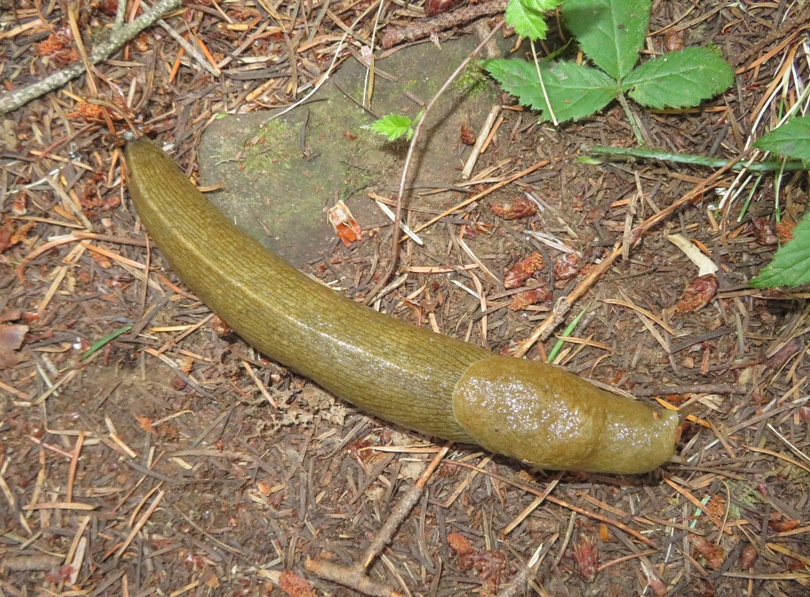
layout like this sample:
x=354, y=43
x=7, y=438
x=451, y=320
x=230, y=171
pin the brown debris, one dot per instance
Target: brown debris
x=539, y=293
x=294, y=585
x=673, y=40
x=514, y=209
x=11, y=339
x=11, y=235
x=714, y=555
x=748, y=557
x=567, y=265
x=467, y=135
x=143, y=481
x=586, y=556
x=763, y=231
x=518, y=274
x=697, y=294
x=393, y=36
x=488, y=565
x=784, y=230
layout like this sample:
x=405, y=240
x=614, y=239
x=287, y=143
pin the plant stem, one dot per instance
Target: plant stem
x=406, y=167
x=543, y=85
x=697, y=160
x=632, y=118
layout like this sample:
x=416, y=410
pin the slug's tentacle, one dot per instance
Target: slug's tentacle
x=393, y=370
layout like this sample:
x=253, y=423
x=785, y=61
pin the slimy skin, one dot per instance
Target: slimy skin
x=427, y=382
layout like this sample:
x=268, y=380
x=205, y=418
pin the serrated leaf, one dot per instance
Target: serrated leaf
x=792, y=139
x=574, y=91
x=528, y=17
x=791, y=263
x=679, y=79
x=393, y=126
x=610, y=32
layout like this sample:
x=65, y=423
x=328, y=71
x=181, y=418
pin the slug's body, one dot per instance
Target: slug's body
x=425, y=381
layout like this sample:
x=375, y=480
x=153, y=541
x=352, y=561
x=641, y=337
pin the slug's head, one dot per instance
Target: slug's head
x=556, y=420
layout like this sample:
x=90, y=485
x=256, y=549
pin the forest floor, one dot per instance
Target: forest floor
x=141, y=453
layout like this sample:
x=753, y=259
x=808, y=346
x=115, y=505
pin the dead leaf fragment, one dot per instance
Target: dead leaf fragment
x=781, y=526
x=586, y=555
x=697, y=294
x=517, y=275
x=346, y=227
x=673, y=40
x=460, y=544
x=58, y=48
x=536, y=294
x=6, y=234
x=487, y=565
x=784, y=230
x=11, y=339
x=713, y=554
x=567, y=265
x=434, y=7
x=11, y=235
x=748, y=557
x=514, y=209
x=294, y=585
x=467, y=135
x=763, y=231
x=221, y=329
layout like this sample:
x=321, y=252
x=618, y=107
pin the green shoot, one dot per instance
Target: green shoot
x=393, y=126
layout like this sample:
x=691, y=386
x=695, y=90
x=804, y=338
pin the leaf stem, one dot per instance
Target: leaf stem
x=697, y=160
x=543, y=85
x=632, y=118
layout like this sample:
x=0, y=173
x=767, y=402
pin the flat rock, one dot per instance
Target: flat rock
x=279, y=175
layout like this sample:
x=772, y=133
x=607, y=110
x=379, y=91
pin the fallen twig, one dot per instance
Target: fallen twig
x=564, y=304
x=449, y=20
x=101, y=51
x=355, y=576
x=411, y=149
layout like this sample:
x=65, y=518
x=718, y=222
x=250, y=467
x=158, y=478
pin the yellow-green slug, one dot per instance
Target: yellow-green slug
x=431, y=383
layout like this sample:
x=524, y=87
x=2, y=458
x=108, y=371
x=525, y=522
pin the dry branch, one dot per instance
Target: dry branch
x=101, y=51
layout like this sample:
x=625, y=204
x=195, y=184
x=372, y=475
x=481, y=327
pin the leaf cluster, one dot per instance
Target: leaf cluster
x=791, y=263
x=610, y=33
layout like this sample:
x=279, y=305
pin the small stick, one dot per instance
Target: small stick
x=449, y=20
x=411, y=148
x=355, y=576
x=565, y=303
x=479, y=142
x=101, y=51
x=484, y=193
x=190, y=49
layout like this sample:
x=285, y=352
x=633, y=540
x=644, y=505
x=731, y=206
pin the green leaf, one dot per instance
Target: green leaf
x=574, y=91
x=99, y=344
x=527, y=17
x=393, y=126
x=791, y=264
x=680, y=79
x=610, y=32
x=791, y=139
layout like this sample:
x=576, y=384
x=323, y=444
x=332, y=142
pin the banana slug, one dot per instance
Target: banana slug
x=434, y=384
